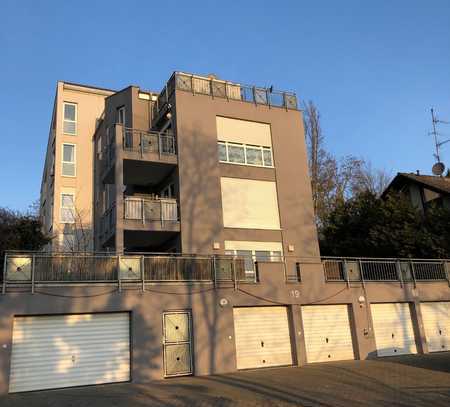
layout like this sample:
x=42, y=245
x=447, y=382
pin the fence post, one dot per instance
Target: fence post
x=446, y=273
x=413, y=273
x=119, y=281
x=346, y=273
x=361, y=273
x=399, y=272
x=159, y=145
x=33, y=261
x=143, y=273
x=233, y=264
x=214, y=271
x=4, y=274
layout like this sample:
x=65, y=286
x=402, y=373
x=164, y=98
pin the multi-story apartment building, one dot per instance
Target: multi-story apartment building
x=193, y=213
x=194, y=169
x=67, y=180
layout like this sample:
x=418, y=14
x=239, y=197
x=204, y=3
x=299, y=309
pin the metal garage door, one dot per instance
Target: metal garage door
x=394, y=333
x=327, y=333
x=69, y=350
x=436, y=322
x=262, y=337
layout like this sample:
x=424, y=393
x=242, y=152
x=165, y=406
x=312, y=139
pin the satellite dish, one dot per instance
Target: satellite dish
x=438, y=168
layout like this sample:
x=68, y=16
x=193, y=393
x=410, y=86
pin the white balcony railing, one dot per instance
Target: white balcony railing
x=144, y=209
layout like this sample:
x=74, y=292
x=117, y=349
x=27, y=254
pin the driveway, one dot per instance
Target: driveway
x=403, y=381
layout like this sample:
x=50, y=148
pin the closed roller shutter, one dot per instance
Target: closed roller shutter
x=69, y=350
x=394, y=333
x=262, y=337
x=327, y=333
x=436, y=322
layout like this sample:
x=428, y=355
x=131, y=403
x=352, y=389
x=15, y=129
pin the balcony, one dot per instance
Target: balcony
x=366, y=270
x=141, y=150
x=37, y=268
x=217, y=88
x=143, y=214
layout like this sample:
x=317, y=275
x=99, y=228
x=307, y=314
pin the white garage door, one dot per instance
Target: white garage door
x=436, y=321
x=69, y=350
x=327, y=333
x=394, y=333
x=262, y=337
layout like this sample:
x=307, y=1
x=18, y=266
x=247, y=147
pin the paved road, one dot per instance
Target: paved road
x=406, y=381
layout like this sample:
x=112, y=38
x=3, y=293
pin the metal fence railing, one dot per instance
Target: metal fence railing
x=225, y=90
x=143, y=142
x=367, y=270
x=39, y=267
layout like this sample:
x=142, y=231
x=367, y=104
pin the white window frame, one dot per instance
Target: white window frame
x=262, y=148
x=61, y=220
x=70, y=121
x=69, y=162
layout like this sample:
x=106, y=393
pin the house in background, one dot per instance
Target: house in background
x=422, y=190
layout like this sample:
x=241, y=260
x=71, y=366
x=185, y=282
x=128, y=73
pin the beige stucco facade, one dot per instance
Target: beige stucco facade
x=89, y=104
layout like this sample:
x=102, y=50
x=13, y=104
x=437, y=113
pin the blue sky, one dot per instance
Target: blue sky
x=374, y=69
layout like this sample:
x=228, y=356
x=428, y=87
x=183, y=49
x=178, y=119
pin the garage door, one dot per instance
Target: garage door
x=394, y=333
x=262, y=337
x=327, y=333
x=69, y=350
x=436, y=322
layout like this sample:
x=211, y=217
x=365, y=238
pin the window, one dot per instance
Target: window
x=70, y=118
x=254, y=155
x=234, y=153
x=121, y=115
x=223, y=155
x=68, y=160
x=67, y=242
x=67, y=208
x=252, y=256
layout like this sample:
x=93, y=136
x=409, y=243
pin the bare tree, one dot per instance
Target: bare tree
x=370, y=179
x=335, y=180
x=77, y=236
x=331, y=179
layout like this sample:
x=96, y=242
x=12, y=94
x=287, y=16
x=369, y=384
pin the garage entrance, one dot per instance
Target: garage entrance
x=262, y=337
x=394, y=333
x=327, y=333
x=436, y=322
x=55, y=351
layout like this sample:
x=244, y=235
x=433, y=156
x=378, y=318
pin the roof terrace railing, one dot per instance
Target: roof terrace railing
x=217, y=88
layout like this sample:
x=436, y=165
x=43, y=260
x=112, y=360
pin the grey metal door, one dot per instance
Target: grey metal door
x=177, y=343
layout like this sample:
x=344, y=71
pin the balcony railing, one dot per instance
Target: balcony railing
x=142, y=142
x=225, y=90
x=43, y=268
x=399, y=270
x=144, y=209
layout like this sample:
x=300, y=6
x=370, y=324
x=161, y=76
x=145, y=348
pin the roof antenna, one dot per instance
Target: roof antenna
x=438, y=167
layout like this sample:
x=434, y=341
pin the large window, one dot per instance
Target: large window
x=67, y=208
x=244, y=154
x=68, y=160
x=70, y=118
